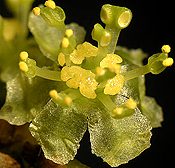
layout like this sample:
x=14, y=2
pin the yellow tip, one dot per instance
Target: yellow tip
x=100, y=71
x=69, y=32
x=54, y=94
x=166, y=49
x=50, y=4
x=23, y=55
x=168, y=62
x=117, y=111
x=23, y=66
x=68, y=100
x=36, y=11
x=61, y=59
x=65, y=42
x=131, y=104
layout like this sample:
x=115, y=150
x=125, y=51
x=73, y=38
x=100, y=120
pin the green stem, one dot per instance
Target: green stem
x=48, y=74
x=136, y=72
x=106, y=101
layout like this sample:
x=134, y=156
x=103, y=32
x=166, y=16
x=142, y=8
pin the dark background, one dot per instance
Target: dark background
x=151, y=27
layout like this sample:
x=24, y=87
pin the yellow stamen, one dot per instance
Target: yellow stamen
x=166, y=49
x=54, y=95
x=168, y=62
x=131, y=104
x=117, y=111
x=50, y=4
x=68, y=100
x=61, y=59
x=100, y=71
x=65, y=42
x=36, y=11
x=23, y=66
x=69, y=32
x=23, y=55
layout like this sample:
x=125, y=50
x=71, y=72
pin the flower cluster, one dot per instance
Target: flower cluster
x=73, y=86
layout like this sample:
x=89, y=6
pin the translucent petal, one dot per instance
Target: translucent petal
x=59, y=132
x=25, y=98
x=48, y=37
x=152, y=110
x=117, y=141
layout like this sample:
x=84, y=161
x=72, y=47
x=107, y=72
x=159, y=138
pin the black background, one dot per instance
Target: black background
x=151, y=27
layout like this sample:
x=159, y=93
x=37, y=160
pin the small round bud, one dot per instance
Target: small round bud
x=168, y=62
x=50, y=4
x=131, y=104
x=65, y=42
x=36, y=11
x=166, y=49
x=69, y=32
x=23, y=66
x=61, y=59
x=54, y=94
x=23, y=55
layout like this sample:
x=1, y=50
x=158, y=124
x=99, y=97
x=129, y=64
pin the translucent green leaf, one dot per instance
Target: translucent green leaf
x=59, y=131
x=117, y=141
x=48, y=37
x=152, y=111
x=25, y=97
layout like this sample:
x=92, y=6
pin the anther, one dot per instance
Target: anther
x=23, y=66
x=61, y=59
x=65, y=42
x=54, y=95
x=130, y=103
x=69, y=32
x=166, y=49
x=100, y=71
x=23, y=55
x=36, y=11
x=168, y=62
x=50, y=4
x=68, y=100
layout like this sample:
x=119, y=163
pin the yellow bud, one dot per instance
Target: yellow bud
x=168, y=62
x=117, y=111
x=54, y=94
x=65, y=42
x=166, y=49
x=69, y=32
x=50, y=4
x=68, y=100
x=131, y=104
x=23, y=66
x=36, y=11
x=100, y=71
x=61, y=59
x=23, y=55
